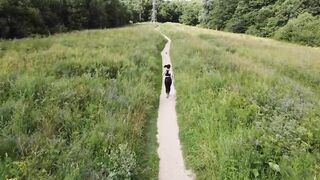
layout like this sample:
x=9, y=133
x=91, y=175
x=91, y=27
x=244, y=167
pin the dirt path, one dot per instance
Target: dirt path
x=169, y=150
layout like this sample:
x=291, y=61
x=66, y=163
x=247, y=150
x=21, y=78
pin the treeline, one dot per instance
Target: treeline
x=22, y=18
x=291, y=20
x=185, y=12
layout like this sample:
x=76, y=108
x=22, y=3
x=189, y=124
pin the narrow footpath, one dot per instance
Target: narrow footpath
x=171, y=160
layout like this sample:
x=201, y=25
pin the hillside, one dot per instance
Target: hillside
x=83, y=105
x=80, y=105
x=247, y=107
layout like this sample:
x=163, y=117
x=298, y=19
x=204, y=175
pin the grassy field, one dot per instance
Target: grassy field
x=248, y=108
x=80, y=105
x=83, y=105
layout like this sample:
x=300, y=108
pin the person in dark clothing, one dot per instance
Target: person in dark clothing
x=168, y=79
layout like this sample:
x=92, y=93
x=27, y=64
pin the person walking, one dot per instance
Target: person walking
x=167, y=79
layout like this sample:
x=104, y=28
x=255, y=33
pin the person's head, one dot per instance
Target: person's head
x=167, y=66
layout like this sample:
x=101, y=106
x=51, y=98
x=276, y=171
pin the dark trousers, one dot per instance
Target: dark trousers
x=167, y=83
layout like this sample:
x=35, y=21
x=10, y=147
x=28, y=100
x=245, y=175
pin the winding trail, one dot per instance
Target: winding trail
x=171, y=160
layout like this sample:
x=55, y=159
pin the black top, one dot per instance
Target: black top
x=167, y=74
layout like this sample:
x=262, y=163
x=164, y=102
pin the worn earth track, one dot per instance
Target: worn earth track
x=171, y=160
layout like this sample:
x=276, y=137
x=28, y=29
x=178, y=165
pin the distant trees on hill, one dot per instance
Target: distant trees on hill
x=291, y=20
x=185, y=12
x=20, y=18
x=266, y=18
x=305, y=30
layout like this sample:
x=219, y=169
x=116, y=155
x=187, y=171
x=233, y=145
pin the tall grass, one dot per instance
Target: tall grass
x=79, y=105
x=248, y=108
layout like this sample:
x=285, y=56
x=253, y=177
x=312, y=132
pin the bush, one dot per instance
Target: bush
x=190, y=14
x=305, y=29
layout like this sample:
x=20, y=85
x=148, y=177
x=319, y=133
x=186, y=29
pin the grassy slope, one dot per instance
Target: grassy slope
x=247, y=107
x=79, y=105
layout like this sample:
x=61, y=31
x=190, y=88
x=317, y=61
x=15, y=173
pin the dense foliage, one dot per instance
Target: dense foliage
x=304, y=29
x=248, y=108
x=262, y=17
x=79, y=105
x=266, y=18
x=20, y=18
x=185, y=12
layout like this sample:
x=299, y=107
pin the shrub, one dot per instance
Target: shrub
x=305, y=29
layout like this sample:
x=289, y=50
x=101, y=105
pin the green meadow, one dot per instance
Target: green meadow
x=83, y=105
x=80, y=105
x=248, y=107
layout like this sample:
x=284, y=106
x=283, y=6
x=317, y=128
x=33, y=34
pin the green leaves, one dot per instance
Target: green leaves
x=24, y=18
x=264, y=18
x=190, y=13
x=304, y=29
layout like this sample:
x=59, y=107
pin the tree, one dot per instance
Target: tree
x=190, y=13
x=205, y=12
x=222, y=11
x=169, y=11
x=21, y=18
x=18, y=18
x=304, y=29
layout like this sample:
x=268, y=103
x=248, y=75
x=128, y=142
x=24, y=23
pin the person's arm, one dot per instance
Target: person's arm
x=164, y=73
x=171, y=72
